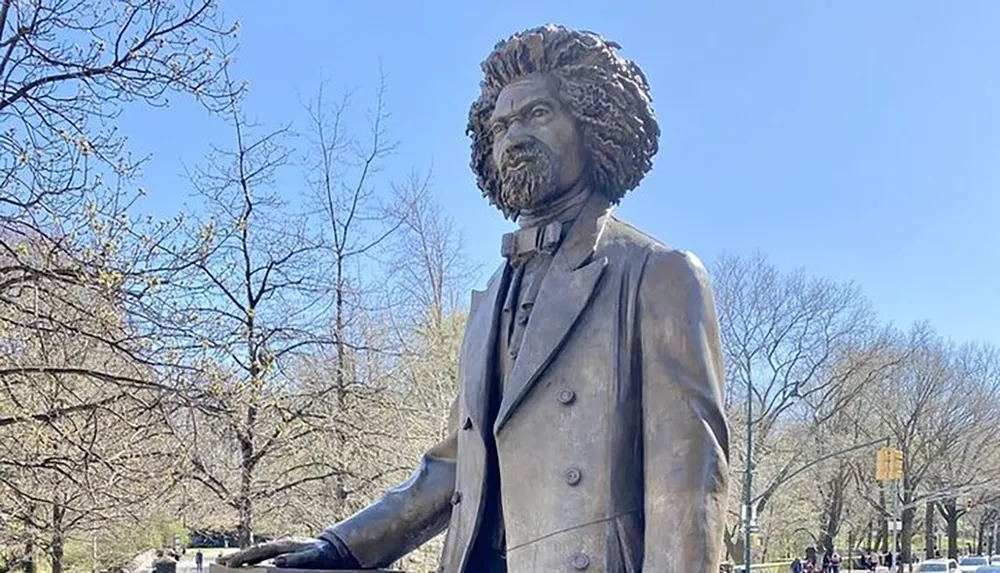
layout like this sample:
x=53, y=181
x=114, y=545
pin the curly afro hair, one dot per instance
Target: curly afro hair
x=607, y=94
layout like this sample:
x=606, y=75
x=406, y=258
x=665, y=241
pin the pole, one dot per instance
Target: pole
x=748, y=480
x=886, y=517
x=895, y=521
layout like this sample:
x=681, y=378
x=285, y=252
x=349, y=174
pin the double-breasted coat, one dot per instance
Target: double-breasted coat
x=611, y=438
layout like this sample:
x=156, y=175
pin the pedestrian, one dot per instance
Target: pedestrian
x=199, y=561
x=835, y=562
x=797, y=565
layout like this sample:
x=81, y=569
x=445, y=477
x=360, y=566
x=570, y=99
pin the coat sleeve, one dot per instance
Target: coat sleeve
x=408, y=515
x=685, y=432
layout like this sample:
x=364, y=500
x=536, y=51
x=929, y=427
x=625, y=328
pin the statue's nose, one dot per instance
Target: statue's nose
x=517, y=133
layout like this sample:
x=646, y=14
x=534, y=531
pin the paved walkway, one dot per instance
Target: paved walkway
x=186, y=564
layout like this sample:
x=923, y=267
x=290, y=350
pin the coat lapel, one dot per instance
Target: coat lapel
x=565, y=291
x=478, y=355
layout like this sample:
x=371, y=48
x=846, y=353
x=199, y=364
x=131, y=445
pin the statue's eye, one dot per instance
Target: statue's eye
x=498, y=128
x=540, y=112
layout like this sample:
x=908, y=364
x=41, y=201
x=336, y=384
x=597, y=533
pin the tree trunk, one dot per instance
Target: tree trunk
x=883, y=526
x=28, y=561
x=738, y=550
x=996, y=540
x=906, y=532
x=930, y=539
x=244, y=503
x=850, y=551
x=340, y=334
x=995, y=544
x=834, y=509
x=56, y=550
x=340, y=341
x=980, y=536
x=247, y=435
x=951, y=514
x=952, y=520
x=731, y=550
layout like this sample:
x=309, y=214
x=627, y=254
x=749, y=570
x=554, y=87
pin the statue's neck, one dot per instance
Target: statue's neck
x=564, y=207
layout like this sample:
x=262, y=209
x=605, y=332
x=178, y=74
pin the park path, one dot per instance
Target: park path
x=186, y=564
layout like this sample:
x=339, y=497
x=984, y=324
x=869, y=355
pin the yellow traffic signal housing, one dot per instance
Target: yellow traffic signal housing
x=882, y=464
x=888, y=464
x=895, y=472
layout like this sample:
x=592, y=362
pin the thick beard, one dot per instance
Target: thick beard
x=523, y=188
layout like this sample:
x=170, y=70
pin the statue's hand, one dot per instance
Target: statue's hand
x=293, y=552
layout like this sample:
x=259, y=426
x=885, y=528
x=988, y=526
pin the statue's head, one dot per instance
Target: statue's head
x=557, y=108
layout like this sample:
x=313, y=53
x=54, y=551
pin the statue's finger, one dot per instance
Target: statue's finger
x=299, y=559
x=233, y=559
x=246, y=557
x=229, y=560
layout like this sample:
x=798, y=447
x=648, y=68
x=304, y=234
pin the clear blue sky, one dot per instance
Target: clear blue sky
x=860, y=140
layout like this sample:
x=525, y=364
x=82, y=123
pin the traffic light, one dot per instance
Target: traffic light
x=895, y=464
x=882, y=464
x=888, y=464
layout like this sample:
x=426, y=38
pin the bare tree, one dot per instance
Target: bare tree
x=250, y=304
x=66, y=221
x=95, y=459
x=934, y=408
x=965, y=476
x=431, y=273
x=82, y=371
x=342, y=169
x=797, y=351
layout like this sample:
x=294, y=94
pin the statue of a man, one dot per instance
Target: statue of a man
x=589, y=430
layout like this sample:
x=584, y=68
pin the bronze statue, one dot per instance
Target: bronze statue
x=589, y=431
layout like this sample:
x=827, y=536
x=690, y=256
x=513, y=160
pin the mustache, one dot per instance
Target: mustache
x=527, y=151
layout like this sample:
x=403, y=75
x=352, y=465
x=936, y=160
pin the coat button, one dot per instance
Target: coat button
x=573, y=476
x=566, y=396
x=467, y=425
x=580, y=561
x=456, y=498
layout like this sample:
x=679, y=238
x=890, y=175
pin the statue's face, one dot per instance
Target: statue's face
x=537, y=144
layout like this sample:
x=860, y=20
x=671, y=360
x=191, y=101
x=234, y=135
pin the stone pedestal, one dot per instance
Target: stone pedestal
x=216, y=568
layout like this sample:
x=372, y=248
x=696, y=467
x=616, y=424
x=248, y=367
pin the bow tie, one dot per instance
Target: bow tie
x=519, y=246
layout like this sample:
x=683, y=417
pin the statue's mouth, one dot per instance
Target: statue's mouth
x=519, y=164
x=522, y=161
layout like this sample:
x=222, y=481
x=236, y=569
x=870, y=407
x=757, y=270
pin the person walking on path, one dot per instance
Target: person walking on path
x=199, y=561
